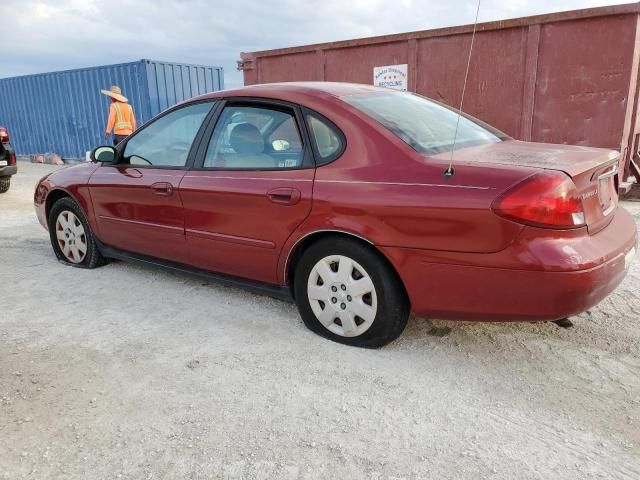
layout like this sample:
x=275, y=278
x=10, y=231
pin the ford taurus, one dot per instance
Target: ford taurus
x=362, y=204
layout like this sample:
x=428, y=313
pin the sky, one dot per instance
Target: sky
x=46, y=35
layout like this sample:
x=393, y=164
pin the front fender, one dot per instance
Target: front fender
x=70, y=182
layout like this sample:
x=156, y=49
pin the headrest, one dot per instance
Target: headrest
x=246, y=139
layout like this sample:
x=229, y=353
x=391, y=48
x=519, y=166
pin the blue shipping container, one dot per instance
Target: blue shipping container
x=64, y=112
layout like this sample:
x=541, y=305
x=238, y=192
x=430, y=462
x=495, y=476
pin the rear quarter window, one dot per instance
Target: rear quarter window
x=327, y=139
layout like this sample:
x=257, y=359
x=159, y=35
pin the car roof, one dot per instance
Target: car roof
x=286, y=89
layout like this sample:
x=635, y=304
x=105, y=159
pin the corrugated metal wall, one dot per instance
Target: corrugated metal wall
x=567, y=77
x=170, y=83
x=64, y=112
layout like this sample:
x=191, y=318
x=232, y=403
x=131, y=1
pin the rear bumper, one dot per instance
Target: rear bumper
x=557, y=278
x=8, y=170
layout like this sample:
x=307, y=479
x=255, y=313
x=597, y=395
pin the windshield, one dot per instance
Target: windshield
x=427, y=126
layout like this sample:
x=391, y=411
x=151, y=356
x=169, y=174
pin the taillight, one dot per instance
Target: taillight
x=548, y=199
x=12, y=159
x=4, y=135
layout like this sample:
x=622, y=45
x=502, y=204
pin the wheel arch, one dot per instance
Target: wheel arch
x=305, y=241
x=53, y=196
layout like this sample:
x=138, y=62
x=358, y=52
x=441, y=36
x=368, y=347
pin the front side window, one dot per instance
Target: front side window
x=167, y=141
x=257, y=138
x=428, y=127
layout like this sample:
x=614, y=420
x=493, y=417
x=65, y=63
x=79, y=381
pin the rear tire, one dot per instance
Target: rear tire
x=347, y=292
x=5, y=183
x=72, y=240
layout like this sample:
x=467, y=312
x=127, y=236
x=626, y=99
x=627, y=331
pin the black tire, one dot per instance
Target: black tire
x=392, y=305
x=5, y=183
x=93, y=258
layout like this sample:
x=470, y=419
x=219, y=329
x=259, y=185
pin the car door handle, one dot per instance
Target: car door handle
x=163, y=189
x=284, y=195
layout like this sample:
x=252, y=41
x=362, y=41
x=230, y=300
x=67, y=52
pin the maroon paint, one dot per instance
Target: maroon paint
x=544, y=276
x=73, y=182
x=139, y=209
x=234, y=226
x=456, y=257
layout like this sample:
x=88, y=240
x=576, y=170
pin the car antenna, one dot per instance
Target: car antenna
x=449, y=171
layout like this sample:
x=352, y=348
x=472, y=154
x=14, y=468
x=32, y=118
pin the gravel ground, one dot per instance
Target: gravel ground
x=135, y=373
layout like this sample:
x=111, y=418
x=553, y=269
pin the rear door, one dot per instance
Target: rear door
x=250, y=190
x=136, y=201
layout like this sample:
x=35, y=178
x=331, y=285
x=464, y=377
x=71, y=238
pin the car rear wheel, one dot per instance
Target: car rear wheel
x=348, y=293
x=71, y=237
x=5, y=183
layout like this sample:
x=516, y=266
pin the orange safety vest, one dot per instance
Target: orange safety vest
x=121, y=119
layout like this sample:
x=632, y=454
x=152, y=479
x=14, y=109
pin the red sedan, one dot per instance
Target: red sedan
x=355, y=201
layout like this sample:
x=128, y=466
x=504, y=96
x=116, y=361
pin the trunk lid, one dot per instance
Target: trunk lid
x=594, y=171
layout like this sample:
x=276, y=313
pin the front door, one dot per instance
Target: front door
x=252, y=189
x=136, y=201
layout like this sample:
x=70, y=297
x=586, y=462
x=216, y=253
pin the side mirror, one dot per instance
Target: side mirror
x=105, y=154
x=280, y=145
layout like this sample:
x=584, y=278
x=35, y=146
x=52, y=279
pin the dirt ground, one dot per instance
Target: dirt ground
x=135, y=373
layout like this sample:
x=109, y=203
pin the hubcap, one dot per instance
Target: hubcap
x=72, y=239
x=342, y=296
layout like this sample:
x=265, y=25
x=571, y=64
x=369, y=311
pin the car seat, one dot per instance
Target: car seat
x=248, y=145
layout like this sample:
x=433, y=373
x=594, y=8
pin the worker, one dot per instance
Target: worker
x=121, y=118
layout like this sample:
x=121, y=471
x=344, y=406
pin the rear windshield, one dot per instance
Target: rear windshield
x=427, y=126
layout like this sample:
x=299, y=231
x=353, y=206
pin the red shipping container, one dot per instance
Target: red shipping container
x=569, y=77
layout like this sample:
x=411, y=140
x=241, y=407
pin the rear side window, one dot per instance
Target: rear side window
x=255, y=138
x=328, y=141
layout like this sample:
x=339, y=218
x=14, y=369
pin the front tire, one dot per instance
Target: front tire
x=71, y=237
x=347, y=292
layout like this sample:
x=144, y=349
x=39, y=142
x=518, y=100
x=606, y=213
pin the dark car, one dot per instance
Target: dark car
x=357, y=203
x=8, y=164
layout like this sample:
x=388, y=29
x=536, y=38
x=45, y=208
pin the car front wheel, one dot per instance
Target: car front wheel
x=348, y=293
x=71, y=236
